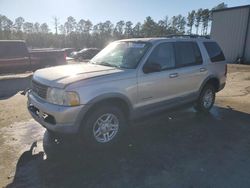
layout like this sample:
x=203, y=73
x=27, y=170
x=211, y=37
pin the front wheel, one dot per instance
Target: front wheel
x=104, y=127
x=51, y=146
x=206, y=99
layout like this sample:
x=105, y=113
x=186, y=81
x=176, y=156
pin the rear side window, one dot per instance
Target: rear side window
x=21, y=50
x=13, y=50
x=2, y=51
x=214, y=51
x=187, y=54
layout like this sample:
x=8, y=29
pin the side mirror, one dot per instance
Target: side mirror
x=151, y=67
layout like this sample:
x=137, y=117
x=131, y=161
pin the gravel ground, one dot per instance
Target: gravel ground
x=179, y=149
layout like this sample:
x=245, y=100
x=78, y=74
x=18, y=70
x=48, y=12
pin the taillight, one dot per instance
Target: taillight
x=225, y=70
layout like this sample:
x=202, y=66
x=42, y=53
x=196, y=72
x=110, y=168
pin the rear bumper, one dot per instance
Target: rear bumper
x=222, y=85
x=59, y=119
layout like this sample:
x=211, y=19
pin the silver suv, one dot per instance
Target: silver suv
x=128, y=79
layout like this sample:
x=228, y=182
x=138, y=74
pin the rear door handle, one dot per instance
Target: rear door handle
x=203, y=69
x=173, y=75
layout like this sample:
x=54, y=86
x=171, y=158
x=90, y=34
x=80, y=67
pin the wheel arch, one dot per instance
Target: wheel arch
x=107, y=99
x=211, y=80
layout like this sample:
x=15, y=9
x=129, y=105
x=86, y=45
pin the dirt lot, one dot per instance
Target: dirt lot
x=181, y=149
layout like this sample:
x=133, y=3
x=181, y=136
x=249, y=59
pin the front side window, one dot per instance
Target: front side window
x=187, y=54
x=122, y=54
x=214, y=51
x=163, y=55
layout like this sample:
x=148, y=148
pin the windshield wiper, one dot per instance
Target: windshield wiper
x=92, y=62
x=104, y=63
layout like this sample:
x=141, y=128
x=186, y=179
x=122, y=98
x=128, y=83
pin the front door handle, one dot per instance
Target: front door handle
x=173, y=75
x=203, y=69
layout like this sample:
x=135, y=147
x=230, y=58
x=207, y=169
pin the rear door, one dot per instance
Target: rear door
x=190, y=68
x=14, y=57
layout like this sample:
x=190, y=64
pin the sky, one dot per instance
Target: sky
x=102, y=10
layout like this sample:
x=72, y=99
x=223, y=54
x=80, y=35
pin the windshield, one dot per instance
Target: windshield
x=122, y=54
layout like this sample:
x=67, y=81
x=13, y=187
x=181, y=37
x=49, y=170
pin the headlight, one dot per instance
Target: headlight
x=61, y=97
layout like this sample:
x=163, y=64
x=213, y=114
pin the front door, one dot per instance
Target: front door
x=163, y=85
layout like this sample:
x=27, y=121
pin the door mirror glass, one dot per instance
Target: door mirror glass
x=151, y=67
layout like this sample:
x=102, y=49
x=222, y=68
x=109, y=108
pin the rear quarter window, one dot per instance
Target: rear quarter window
x=214, y=51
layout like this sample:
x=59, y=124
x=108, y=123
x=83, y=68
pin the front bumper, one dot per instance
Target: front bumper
x=56, y=118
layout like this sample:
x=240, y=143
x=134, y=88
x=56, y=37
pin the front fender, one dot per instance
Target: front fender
x=100, y=98
x=107, y=96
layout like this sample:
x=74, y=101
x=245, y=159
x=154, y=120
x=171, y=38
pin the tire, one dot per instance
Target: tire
x=53, y=146
x=104, y=127
x=206, y=99
x=49, y=144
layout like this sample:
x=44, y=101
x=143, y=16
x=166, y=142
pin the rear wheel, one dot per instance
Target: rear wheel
x=206, y=99
x=104, y=127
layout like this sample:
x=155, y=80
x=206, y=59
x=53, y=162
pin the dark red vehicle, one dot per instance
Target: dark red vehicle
x=16, y=58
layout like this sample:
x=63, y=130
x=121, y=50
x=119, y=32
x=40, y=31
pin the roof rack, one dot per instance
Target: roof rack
x=188, y=36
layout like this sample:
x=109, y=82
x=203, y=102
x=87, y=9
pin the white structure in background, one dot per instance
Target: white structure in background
x=231, y=29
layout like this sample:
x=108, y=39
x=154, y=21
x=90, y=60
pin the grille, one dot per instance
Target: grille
x=39, y=89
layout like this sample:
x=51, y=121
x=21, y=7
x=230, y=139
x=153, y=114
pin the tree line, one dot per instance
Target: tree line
x=83, y=33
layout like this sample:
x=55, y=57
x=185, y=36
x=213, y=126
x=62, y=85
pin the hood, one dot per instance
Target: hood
x=60, y=76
